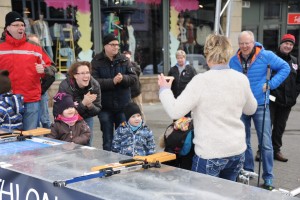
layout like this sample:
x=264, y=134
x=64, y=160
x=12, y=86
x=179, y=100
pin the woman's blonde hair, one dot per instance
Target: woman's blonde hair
x=180, y=53
x=217, y=49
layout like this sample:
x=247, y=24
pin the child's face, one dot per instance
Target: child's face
x=69, y=112
x=135, y=119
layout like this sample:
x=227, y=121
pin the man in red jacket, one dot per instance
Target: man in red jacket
x=26, y=62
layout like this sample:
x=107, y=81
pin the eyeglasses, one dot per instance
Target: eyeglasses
x=17, y=25
x=113, y=45
x=83, y=73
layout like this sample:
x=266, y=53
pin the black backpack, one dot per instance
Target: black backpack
x=179, y=141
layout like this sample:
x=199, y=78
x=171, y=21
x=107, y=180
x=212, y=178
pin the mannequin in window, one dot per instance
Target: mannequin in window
x=28, y=22
x=182, y=33
x=131, y=38
x=124, y=38
x=190, y=36
x=41, y=29
x=203, y=30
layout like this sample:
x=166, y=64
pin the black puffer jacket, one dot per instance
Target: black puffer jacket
x=70, y=86
x=181, y=80
x=286, y=94
x=114, y=97
x=136, y=88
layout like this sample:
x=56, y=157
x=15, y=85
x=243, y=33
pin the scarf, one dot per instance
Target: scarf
x=135, y=128
x=69, y=120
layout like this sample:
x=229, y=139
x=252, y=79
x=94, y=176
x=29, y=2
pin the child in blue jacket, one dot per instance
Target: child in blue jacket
x=11, y=105
x=133, y=137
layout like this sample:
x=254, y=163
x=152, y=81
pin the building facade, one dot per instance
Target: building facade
x=270, y=20
x=153, y=30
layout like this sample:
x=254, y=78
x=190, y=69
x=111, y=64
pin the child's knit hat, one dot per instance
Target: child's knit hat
x=63, y=101
x=5, y=84
x=131, y=109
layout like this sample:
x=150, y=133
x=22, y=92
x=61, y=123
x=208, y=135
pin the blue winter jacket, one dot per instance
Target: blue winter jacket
x=257, y=70
x=133, y=143
x=11, y=111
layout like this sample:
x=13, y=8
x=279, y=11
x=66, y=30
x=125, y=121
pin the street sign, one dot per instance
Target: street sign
x=293, y=19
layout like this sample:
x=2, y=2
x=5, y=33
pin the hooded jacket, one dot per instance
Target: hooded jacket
x=114, y=97
x=70, y=87
x=257, y=70
x=182, y=79
x=79, y=133
x=133, y=143
x=19, y=58
x=286, y=94
x=11, y=111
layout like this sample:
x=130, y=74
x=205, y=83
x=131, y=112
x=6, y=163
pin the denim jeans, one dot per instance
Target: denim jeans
x=109, y=121
x=266, y=146
x=44, y=117
x=31, y=115
x=226, y=168
x=90, y=123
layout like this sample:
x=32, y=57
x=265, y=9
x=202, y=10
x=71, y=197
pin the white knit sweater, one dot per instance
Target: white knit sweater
x=217, y=99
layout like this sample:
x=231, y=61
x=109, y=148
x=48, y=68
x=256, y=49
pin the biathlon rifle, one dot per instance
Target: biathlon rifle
x=12, y=136
x=133, y=164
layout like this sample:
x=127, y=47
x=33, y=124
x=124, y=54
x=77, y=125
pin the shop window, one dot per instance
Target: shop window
x=138, y=26
x=191, y=23
x=272, y=10
x=68, y=33
x=294, y=6
x=270, y=39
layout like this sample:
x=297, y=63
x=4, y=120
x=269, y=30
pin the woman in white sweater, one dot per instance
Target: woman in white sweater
x=217, y=99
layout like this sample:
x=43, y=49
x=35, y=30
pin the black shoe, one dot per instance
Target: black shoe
x=257, y=157
x=278, y=156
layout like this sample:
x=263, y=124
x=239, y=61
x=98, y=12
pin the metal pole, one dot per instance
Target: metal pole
x=228, y=19
x=228, y=1
x=96, y=29
x=166, y=37
x=217, y=16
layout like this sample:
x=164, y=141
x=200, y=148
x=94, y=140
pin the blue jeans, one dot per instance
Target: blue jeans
x=90, y=123
x=266, y=146
x=44, y=118
x=31, y=115
x=226, y=168
x=109, y=121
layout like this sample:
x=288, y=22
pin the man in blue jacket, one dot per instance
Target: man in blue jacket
x=252, y=60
